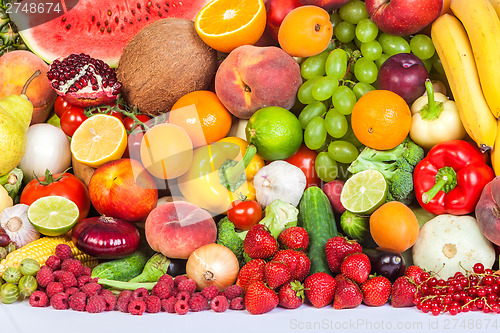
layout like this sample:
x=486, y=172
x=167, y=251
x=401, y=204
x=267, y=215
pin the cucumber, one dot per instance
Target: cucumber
x=123, y=269
x=316, y=216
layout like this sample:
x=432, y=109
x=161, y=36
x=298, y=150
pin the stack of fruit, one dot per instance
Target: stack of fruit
x=333, y=152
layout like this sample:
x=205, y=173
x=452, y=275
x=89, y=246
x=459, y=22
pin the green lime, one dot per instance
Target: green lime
x=275, y=131
x=53, y=215
x=364, y=192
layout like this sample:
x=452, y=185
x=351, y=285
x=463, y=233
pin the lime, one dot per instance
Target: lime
x=364, y=192
x=53, y=215
x=275, y=132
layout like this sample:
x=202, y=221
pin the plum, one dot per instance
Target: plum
x=387, y=263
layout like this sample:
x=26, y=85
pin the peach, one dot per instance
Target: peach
x=178, y=228
x=15, y=69
x=253, y=77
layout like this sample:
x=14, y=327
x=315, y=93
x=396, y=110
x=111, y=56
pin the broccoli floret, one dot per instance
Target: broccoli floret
x=229, y=237
x=396, y=165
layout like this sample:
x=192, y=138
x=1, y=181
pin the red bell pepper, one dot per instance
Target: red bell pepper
x=450, y=179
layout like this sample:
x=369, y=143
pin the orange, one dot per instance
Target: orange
x=166, y=151
x=226, y=24
x=381, y=119
x=305, y=31
x=203, y=117
x=394, y=226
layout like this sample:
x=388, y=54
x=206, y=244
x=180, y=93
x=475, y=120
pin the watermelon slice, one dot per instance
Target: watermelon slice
x=99, y=28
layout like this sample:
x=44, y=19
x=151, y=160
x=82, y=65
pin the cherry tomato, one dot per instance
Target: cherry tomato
x=60, y=106
x=71, y=120
x=68, y=186
x=129, y=122
x=244, y=214
x=304, y=159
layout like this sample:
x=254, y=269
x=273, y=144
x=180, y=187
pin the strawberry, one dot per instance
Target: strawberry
x=259, y=243
x=337, y=248
x=252, y=271
x=347, y=295
x=356, y=267
x=298, y=262
x=403, y=292
x=320, y=289
x=291, y=295
x=414, y=272
x=295, y=238
x=276, y=274
x=260, y=299
x=376, y=290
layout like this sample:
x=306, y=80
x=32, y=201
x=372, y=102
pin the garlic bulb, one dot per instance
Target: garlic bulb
x=279, y=180
x=15, y=222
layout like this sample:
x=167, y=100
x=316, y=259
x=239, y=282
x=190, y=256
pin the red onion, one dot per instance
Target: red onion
x=106, y=237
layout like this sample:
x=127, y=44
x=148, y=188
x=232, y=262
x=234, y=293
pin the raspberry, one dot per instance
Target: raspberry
x=71, y=290
x=219, y=303
x=68, y=279
x=54, y=288
x=178, y=279
x=57, y=274
x=59, y=301
x=237, y=303
x=44, y=277
x=197, y=303
x=106, y=292
x=137, y=307
x=78, y=301
x=122, y=303
x=53, y=262
x=174, y=291
x=165, y=278
x=82, y=280
x=140, y=293
x=65, y=264
x=86, y=271
x=63, y=251
x=210, y=292
x=162, y=290
x=181, y=307
x=233, y=292
x=39, y=299
x=187, y=285
x=183, y=296
x=96, y=304
x=74, y=266
x=153, y=304
x=125, y=293
x=110, y=300
x=168, y=304
x=91, y=289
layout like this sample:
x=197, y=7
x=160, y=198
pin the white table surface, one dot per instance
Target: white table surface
x=22, y=318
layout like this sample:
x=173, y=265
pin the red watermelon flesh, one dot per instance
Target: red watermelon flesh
x=101, y=28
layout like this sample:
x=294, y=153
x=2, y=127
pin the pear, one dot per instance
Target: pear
x=15, y=117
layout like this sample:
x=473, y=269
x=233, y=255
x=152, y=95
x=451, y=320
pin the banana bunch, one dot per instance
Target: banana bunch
x=468, y=44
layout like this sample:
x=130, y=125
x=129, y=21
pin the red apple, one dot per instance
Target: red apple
x=404, y=74
x=123, y=189
x=403, y=17
x=276, y=12
x=327, y=5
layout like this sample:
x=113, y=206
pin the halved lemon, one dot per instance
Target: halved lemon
x=226, y=24
x=99, y=139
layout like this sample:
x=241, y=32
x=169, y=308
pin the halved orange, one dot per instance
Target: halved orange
x=226, y=24
x=99, y=139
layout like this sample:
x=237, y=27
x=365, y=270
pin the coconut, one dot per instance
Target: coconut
x=163, y=62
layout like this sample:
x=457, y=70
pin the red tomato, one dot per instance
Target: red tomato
x=244, y=214
x=304, y=159
x=68, y=186
x=129, y=122
x=60, y=106
x=71, y=120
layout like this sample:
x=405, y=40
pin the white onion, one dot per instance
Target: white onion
x=14, y=220
x=47, y=147
x=212, y=264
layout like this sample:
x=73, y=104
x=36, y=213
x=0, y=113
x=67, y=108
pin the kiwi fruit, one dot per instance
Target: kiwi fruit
x=164, y=61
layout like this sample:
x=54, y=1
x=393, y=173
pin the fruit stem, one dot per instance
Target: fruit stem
x=32, y=77
x=446, y=180
x=231, y=176
x=431, y=110
x=49, y=177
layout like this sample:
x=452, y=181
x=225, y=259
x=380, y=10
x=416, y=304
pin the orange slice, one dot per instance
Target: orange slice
x=226, y=24
x=99, y=139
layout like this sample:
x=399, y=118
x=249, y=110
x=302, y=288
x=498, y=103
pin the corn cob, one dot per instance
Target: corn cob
x=41, y=249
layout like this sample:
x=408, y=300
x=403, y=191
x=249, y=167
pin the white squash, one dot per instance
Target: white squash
x=447, y=244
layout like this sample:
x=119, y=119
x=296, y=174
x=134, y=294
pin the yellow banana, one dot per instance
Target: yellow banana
x=454, y=50
x=483, y=28
x=496, y=5
x=495, y=154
